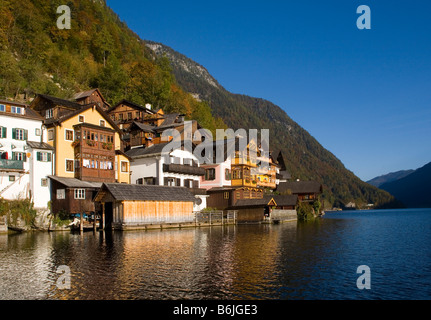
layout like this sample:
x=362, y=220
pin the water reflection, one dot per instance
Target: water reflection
x=315, y=260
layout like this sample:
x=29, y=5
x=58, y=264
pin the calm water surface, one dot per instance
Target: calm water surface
x=316, y=260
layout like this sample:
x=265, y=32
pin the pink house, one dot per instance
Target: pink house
x=216, y=174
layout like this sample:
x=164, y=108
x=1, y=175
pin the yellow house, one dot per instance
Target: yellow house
x=87, y=142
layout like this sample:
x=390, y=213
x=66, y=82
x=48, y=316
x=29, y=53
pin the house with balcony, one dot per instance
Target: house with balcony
x=87, y=144
x=25, y=157
x=159, y=164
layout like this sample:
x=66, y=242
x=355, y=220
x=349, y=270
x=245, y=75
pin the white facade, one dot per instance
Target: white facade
x=148, y=169
x=21, y=174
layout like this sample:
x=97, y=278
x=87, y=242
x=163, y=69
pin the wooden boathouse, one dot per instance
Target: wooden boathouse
x=133, y=206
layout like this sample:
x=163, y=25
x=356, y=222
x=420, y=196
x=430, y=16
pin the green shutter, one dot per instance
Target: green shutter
x=4, y=132
x=13, y=133
x=49, y=156
x=38, y=156
x=13, y=155
x=25, y=134
x=24, y=156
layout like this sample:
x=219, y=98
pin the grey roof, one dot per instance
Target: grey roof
x=75, y=183
x=252, y=202
x=297, y=187
x=61, y=102
x=146, y=151
x=142, y=126
x=39, y=145
x=83, y=94
x=284, y=200
x=122, y=191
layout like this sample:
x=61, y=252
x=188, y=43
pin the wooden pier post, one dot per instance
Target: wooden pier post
x=94, y=223
x=102, y=218
x=81, y=222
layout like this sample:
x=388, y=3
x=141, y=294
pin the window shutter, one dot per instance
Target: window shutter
x=24, y=156
x=4, y=132
x=13, y=133
x=178, y=182
x=25, y=134
x=49, y=156
x=38, y=156
x=13, y=155
x=165, y=181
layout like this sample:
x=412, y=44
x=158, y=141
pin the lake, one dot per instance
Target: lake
x=294, y=261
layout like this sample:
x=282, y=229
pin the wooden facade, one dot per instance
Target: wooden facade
x=140, y=206
x=94, y=153
x=73, y=196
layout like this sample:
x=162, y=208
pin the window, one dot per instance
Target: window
x=2, y=107
x=51, y=134
x=124, y=166
x=49, y=113
x=150, y=181
x=16, y=110
x=37, y=132
x=69, y=165
x=68, y=135
x=169, y=182
x=43, y=156
x=79, y=193
x=227, y=174
x=140, y=181
x=11, y=178
x=120, y=116
x=44, y=182
x=102, y=123
x=19, y=134
x=129, y=116
x=20, y=156
x=3, y=132
x=210, y=174
x=226, y=195
x=236, y=174
x=113, y=117
x=61, y=194
x=81, y=119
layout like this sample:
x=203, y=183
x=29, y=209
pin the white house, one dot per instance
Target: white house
x=159, y=165
x=25, y=158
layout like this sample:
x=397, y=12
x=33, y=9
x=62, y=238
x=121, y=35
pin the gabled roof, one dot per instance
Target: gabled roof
x=59, y=101
x=141, y=126
x=298, y=187
x=83, y=108
x=263, y=202
x=85, y=94
x=138, y=192
x=131, y=104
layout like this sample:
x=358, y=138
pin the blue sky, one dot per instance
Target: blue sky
x=365, y=95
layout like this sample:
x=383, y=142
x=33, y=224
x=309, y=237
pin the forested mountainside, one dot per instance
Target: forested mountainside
x=101, y=51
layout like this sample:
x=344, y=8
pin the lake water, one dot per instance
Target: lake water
x=315, y=260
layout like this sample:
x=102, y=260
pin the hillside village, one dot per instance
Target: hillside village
x=111, y=167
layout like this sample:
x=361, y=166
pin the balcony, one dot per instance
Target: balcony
x=11, y=165
x=183, y=169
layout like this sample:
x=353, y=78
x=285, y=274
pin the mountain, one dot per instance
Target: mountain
x=306, y=157
x=101, y=51
x=392, y=176
x=413, y=190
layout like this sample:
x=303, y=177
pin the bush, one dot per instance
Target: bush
x=22, y=209
x=305, y=211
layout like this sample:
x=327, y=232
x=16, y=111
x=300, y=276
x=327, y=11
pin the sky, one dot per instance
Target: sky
x=364, y=94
